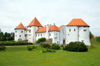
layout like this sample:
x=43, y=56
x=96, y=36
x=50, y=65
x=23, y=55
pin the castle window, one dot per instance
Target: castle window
x=38, y=34
x=29, y=31
x=84, y=29
x=21, y=31
x=19, y=35
x=41, y=34
x=74, y=30
x=49, y=34
x=69, y=30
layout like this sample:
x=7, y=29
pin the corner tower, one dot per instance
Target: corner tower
x=77, y=30
x=32, y=28
x=20, y=32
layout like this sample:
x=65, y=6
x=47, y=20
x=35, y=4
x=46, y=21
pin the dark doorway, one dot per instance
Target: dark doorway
x=63, y=41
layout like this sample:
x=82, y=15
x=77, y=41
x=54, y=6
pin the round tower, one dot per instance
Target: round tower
x=78, y=30
x=84, y=35
x=32, y=28
x=20, y=32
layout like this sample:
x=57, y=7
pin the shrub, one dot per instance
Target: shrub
x=7, y=43
x=49, y=50
x=45, y=45
x=41, y=40
x=76, y=47
x=98, y=39
x=34, y=47
x=29, y=47
x=2, y=48
x=55, y=46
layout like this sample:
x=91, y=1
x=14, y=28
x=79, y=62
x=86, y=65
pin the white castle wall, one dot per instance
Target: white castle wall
x=71, y=36
x=84, y=35
x=32, y=35
x=80, y=34
x=18, y=33
x=62, y=34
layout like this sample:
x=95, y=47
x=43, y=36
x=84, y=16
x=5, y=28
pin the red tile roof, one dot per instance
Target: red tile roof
x=20, y=26
x=35, y=22
x=51, y=28
x=96, y=36
x=77, y=22
x=60, y=27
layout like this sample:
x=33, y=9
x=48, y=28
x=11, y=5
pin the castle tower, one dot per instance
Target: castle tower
x=77, y=30
x=20, y=32
x=32, y=28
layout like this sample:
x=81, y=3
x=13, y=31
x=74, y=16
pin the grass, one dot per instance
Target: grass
x=20, y=56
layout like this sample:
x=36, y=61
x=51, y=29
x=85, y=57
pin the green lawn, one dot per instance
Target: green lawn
x=20, y=56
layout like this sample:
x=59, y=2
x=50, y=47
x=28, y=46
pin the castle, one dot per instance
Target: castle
x=76, y=30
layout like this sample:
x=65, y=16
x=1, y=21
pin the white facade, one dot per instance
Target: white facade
x=65, y=35
x=76, y=33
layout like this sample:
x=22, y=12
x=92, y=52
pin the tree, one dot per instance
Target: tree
x=91, y=35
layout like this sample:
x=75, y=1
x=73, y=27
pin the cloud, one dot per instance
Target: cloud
x=60, y=12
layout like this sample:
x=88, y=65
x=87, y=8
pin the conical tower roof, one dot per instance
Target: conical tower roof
x=20, y=26
x=35, y=22
x=77, y=22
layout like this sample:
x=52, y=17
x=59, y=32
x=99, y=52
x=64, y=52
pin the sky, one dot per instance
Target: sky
x=60, y=12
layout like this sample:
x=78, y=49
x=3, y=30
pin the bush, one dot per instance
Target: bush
x=2, y=48
x=29, y=47
x=41, y=40
x=76, y=47
x=98, y=39
x=10, y=43
x=45, y=45
x=55, y=46
x=49, y=50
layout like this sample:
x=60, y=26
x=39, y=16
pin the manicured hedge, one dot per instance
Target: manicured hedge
x=10, y=43
x=76, y=47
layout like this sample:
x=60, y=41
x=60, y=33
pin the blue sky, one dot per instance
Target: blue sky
x=60, y=12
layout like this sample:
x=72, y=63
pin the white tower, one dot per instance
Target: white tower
x=32, y=28
x=20, y=32
x=77, y=30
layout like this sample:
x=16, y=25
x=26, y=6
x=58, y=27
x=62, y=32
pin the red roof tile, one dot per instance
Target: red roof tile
x=77, y=22
x=60, y=27
x=20, y=26
x=35, y=22
x=51, y=28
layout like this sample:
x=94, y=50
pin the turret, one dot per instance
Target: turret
x=32, y=28
x=20, y=32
